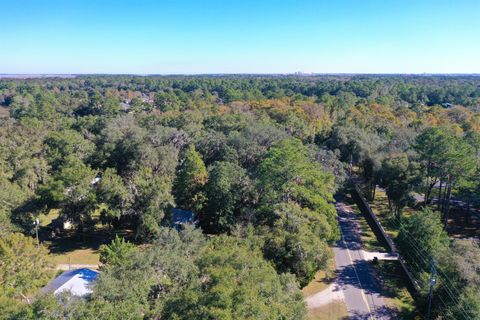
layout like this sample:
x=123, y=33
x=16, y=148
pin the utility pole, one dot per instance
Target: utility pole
x=37, y=223
x=433, y=271
x=351, y=166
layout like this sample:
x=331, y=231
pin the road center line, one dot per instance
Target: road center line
x=356, y=274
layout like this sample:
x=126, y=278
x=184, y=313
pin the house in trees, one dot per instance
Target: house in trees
x=61, y=224
x=125, y=105
x=181, y=217
x=447, y=105
x=78, y=282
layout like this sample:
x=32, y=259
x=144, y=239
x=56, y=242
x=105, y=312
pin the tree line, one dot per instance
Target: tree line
x=256, y=158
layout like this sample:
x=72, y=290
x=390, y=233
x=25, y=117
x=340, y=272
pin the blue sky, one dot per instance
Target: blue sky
x=243, y=36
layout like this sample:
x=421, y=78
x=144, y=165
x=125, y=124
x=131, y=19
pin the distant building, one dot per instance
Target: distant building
x=125, y=105
x=181, y=217
x=78, y=282
x=146, y=99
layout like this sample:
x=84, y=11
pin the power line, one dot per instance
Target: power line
x=426, y=259
x=417, y=248
x=446, y=305
x=464, y=312
x=430, y=294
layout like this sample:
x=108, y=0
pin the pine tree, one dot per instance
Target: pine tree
x=190, y=181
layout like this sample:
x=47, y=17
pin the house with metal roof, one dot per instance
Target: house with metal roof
x=78, y=282
x=181, y=217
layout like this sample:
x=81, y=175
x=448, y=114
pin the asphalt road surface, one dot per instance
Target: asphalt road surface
x=355, y=275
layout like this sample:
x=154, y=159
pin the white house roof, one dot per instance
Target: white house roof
x=77, y=281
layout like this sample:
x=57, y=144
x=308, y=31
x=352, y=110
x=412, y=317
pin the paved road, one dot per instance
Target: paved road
x=66, y=266
x=354, y=273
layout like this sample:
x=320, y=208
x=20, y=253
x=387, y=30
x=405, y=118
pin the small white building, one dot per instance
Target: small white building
x=78, y=282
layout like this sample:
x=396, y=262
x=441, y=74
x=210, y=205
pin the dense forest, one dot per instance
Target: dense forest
x=258, y=160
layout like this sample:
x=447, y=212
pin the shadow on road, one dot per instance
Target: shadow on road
x=348, y=276
x=380, y=313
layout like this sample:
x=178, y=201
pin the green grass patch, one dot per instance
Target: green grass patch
x=73, y=247
x=77, y=248
x=396, y=288
x=323, y=278
x=379, y=206
x=369, y=240
x=46, y=219
x=79, y=256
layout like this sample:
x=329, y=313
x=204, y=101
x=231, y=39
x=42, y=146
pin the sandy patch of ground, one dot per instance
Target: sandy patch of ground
x=333, y=293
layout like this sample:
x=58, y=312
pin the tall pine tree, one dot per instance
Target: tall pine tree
x=190, y=182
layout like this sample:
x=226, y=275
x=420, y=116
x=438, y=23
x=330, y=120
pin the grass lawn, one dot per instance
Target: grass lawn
x=73, y=248
x=369, y=240
x=380, y=208
x=70, y=247
x=45, y=220
x=396, y=285
x=332, y=311
x=322, y=280
x=79, y=256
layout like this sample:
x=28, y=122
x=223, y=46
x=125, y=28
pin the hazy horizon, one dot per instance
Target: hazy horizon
x=238, y=73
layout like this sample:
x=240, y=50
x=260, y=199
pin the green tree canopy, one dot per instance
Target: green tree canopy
x=113, y=192
x=421, y=239
x=229, y=192
x=151, y=200
x=399, y=176
x=191, y=178
x=288, y=174
x=237, y=284
x=297, y=242
x=62, y=144
x=23, y=266
x=116, y=253
x=145, y=281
